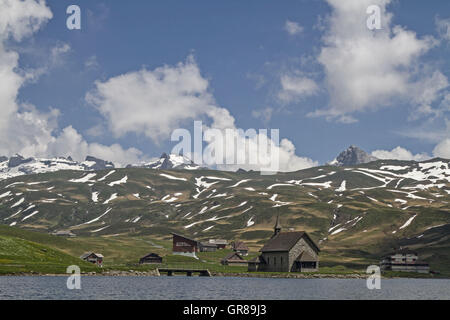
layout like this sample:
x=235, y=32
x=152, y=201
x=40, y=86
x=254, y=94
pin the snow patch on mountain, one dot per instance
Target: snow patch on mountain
x=168, y=162
x=19, y=166
x=84, y=179
x=111, y=198
x=121, y=181
x=172, y=177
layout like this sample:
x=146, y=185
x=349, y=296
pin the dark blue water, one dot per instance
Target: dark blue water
x=153, y=288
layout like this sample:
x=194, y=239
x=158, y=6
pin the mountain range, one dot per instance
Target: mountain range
x=18, y=165
x=168, y=162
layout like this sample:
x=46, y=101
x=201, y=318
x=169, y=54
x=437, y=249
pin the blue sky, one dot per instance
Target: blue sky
x=244, y=50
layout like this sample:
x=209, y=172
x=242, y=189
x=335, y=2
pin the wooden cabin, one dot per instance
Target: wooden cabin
x=405, y=261
x=207, y=247
x=93, y=257
x=220, y=243
x=239, y=247
x=234, y=259
x=184, y=245
x=150, y=259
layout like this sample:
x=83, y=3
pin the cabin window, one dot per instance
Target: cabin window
x=268, y=260
x=274, y=261
x=281, y=261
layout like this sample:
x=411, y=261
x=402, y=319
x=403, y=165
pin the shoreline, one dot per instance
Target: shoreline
x=154, y=273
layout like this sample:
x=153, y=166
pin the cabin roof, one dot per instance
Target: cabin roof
x=87, y=254
x=187, y=238
x=218, y=241
x=239, y=245
x=233, y=256
x=208, y=244
x=284, y=241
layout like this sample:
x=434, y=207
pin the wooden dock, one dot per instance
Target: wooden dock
x=189, y=272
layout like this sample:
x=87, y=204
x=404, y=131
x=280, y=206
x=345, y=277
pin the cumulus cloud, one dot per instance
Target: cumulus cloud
x=20, y=19
x=366, y=70
x=293, y=28
x=71, y=143
x=442, y=150
x=155, y=102
x=427, y=91
x=56, y=58
x=91, y=62
x=263, y=114
x=399, y=153
x=252, y=150
x=435, y=130
x=23, y=128
x=296, y=88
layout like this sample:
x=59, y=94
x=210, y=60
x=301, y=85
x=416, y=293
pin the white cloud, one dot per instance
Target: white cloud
x=366, y=70
x=442, y=149
x=20, y=19
x=56, y=58
x=60, y=49
x=155, y=102
x=24, y=129
x=259, y=79
x=58, y=52
x=293, y=28
x=91, y=62
x=296, y=88
x=263, y=114
x=248, y=153
x=71, y=143
x=436, y=131
x=399, y=153
x=433, y=131
x=427, y=91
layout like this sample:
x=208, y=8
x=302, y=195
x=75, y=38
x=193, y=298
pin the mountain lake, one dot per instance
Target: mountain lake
x=218, y=288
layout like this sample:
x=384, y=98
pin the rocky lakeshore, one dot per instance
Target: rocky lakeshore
x=155, y=273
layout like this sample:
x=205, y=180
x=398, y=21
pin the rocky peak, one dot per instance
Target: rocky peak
x=352, y=156
x=17, y=160
x=97, y=164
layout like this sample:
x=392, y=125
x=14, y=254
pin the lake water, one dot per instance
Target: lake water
x=193, y=288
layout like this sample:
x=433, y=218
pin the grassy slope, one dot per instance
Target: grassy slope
x=19, y=255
